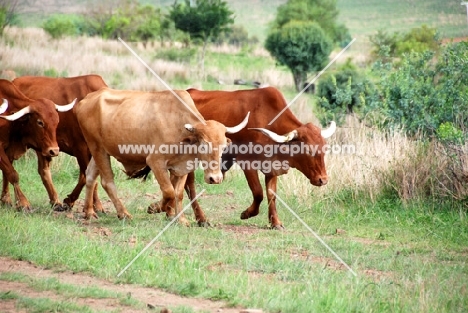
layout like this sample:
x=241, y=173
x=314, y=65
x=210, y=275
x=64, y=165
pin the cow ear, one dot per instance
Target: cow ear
x=190, y=140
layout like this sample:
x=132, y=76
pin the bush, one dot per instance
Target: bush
x=343, y=92
x=395, y=45
x=58, y=26
x=424, y=91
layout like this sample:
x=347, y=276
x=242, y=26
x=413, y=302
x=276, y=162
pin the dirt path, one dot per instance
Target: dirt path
x=153, y=299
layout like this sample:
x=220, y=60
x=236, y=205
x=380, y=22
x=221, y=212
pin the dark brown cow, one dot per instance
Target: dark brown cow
x=69, y=135
x=264, y=105
x=32, y=124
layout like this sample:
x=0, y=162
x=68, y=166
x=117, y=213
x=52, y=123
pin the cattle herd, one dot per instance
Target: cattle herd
x=84, y=118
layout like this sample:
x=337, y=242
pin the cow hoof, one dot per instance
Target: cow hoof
x=59, y=207
x=99, y=208
x=154, y=208
x=125, y=216
x=25, y=209
x=277, y=227
x=88, y=216
x=204, y=224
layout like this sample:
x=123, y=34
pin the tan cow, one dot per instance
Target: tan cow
x=114, y=120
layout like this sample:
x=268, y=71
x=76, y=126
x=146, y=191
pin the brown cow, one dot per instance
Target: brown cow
x=69, y=135
x=264, y=104
x=111, y=120
x=32, y=125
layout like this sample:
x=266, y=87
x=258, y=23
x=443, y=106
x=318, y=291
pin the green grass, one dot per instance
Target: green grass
x=409, y=257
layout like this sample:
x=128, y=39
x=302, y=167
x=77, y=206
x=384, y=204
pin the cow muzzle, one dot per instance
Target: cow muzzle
x=214, y=178
x=51, y=152
x=320, y=181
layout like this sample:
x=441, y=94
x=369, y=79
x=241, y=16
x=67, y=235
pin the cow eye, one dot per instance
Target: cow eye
x=40, y=123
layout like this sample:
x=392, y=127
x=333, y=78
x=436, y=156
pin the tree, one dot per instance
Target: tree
x=205, y=20
x=302, y=46
x=7, y=13
x=323, y=12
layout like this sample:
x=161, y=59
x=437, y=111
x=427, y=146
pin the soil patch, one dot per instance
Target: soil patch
x=151, y=298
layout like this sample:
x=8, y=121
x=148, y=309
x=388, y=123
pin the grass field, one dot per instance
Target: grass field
x=408, y=258
x=410, y=255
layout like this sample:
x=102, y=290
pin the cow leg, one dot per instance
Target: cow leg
x=257, y=192
x=92, y=172
x=101, y=161
x=43, y=168
x=166, y=184
x=178, y=182
x=11, y=175
x=192, y=193
x=6, y=199
x=83, y=160
x=270, y=184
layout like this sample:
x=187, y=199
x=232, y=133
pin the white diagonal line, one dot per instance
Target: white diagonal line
x=197, y=114
x=313, y=80
x=313, y=233
x=160, y=233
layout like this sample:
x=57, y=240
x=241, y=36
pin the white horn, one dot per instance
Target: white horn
x=278, y=138
x=4, y=106
x=65, y=108
x=235, y=129
x=189, y=127
x=329, y=131
x=17, y=115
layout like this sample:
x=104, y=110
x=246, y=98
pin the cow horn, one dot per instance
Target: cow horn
x=189, y=127
x=17, y=115
x=65, y=108
x=4, y=106
x=278, y=138
x=329, y=131
x=235, y=129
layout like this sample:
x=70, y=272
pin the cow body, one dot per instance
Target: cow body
x=35, y=129
x=264, y=105
x=111, y=118
x=69, y=135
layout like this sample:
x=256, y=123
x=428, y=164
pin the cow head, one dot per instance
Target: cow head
x=308, y=153
x=211, y=140
x=38, y=123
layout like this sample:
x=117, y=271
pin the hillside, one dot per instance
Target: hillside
x=362, y=17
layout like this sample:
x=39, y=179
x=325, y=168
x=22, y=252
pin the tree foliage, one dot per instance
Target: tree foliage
x=203, y=21
x=323, y=12
x=8, y=14
x=302, y=46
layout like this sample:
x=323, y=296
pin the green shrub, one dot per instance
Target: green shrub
x=58, y=26
x=344, y=91
x=419, y=39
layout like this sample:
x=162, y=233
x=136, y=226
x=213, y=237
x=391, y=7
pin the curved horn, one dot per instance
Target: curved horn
x=329, y=131
x=278, y=138
x=17, y=115
x=4, y=106
x=65, y=108
x=235, y=129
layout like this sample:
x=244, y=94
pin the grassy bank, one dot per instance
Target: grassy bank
x=408, y=257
